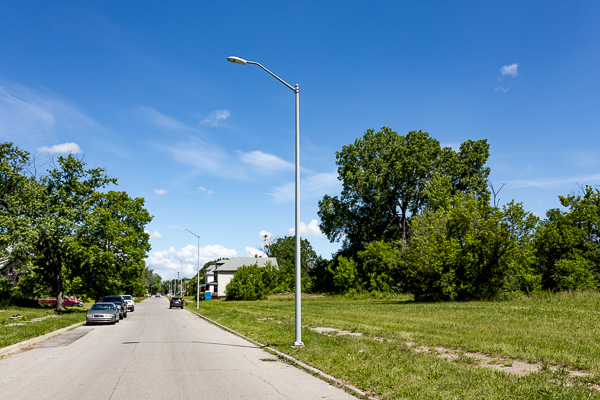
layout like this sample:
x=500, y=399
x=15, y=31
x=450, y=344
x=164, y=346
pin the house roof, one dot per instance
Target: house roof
x=233, y=264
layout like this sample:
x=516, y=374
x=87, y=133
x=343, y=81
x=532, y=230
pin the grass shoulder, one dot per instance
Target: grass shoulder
x=22, y=323
x=383, y=357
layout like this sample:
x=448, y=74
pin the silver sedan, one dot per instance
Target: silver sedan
x=102, y=313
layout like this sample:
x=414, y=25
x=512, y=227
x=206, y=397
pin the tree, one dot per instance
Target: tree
x=111, y=245
x=468, y=250
x=384, y=176
x=56, y=207
x=284, y=250
x=251, y=282
x=568, y=243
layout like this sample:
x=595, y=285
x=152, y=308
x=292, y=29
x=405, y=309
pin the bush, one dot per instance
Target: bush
x=251, y=282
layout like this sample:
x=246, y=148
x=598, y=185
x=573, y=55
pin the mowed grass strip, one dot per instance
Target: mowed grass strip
x=559, y=329
x=17, y=330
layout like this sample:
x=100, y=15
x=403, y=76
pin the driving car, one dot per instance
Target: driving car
x=130, y=302
x=176, y=302
x=102, y=313
x=119, y=302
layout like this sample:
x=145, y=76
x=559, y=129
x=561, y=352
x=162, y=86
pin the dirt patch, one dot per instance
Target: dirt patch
x=334, y=332
x=508, y=366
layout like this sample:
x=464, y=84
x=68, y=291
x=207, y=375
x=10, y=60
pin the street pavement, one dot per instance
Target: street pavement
x=155, y=353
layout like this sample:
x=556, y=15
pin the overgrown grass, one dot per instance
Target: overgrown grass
x=555, y=329
x=17, y=330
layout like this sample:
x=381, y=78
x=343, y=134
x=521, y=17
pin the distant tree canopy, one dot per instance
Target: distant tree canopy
x=65, y=233
x=384, y=176
x=284, y=250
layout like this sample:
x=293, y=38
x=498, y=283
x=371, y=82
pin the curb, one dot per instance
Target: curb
x=13, y=348
x=332, y=380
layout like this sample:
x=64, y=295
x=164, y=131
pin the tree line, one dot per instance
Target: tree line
x=414, y=217
x=62, y=231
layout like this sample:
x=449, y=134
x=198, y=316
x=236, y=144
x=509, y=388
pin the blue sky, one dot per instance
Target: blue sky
x=143, y=89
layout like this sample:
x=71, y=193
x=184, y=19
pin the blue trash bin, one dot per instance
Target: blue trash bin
x=207, y=296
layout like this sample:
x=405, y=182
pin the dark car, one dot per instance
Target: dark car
x=176, y=302
x=119, y=301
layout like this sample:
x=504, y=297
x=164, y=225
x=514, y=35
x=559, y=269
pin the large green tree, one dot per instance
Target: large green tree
x=284, y=250
x=384, y=176
x=111, y=245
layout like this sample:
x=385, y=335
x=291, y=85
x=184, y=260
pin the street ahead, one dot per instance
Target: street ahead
x=155, y=353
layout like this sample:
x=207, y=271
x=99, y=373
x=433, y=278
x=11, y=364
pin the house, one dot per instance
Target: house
x=226, y=268
x=209, y=278
x=9, y=271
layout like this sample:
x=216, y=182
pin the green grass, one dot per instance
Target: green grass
x=559, y=329
x=11, y=334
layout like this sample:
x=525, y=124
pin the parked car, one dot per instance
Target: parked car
x=176, y=302
x=130, y=302
x=118, y=300
x=102, y=313
x=68, y=302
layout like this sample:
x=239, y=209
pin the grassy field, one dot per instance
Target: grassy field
x=553, y=330
x=34, y=322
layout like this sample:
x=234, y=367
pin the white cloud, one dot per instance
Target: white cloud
x=312, y=229
x=253, y=252
x=215, y=118
x=202, y=189
x=64, y=148
x=312, y=187
x=161, y=191
x=166, y=263
x=265, y=162
x=265, y=234
x=511, y=70
x=501, y=89
x=154, y=235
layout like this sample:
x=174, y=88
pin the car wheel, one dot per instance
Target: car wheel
x=125, y=315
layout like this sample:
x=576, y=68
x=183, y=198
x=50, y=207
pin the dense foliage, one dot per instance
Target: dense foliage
x=252, y=282
x=416, y=218
x=64, y=233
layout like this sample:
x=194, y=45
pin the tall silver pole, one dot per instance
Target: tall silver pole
x=298, y=293
x=198, y=278
x=298, y=290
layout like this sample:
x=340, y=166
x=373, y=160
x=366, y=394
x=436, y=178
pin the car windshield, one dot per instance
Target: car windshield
x=176, y=298
x=127, y=297
x=112, y=299
x=102, y=307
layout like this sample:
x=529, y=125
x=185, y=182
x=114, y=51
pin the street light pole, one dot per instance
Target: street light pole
x=198, y=276
x=181, y=268
x=298, y=290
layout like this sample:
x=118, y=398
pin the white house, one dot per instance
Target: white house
x=226, y=268
x=211, y=284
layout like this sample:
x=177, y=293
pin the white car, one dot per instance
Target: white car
x=129, y=301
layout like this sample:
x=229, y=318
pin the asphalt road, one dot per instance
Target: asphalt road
x=155, y=353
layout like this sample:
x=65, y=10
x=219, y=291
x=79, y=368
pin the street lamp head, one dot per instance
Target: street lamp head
x=236, y=60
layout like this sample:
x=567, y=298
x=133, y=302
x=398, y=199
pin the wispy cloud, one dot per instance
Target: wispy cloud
x=554, y=182
x=502, y=89
x=161, y=120
x=312, y=229
x=312, y=187
x=161, y=191
x=34, y=114
x=215, y=118
x=510, y=70
x=265, y=162
x=205, y=190
x=64, y=148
